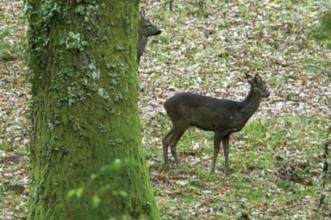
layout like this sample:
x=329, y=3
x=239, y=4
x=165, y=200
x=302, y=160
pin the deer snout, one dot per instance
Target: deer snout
x=158, y=32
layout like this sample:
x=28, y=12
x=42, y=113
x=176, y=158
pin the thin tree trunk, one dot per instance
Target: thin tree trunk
x=86, y=153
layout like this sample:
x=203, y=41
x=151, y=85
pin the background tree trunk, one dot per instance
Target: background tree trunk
x=86, y=154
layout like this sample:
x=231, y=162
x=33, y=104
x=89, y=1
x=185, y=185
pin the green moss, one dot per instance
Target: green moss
x=87, y=158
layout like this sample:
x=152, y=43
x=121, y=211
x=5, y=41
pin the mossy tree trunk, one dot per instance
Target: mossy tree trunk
x=86, y=153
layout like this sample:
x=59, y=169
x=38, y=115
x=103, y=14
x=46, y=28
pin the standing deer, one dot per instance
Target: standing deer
x=145, y=30
x=221, y=116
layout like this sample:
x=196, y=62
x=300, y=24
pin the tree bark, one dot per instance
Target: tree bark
x=86, y=154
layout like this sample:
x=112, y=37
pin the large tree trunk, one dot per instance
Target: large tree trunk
x=86, y=153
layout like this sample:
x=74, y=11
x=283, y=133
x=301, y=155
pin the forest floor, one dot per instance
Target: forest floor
x=206, y=46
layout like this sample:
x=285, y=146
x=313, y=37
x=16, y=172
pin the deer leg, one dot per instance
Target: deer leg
x=177, y=134
x=217, y=140
x=165, y=145
x=225, y=142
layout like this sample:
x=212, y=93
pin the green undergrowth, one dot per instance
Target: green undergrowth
x=275, y=164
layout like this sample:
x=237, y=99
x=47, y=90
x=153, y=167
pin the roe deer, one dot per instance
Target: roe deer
x=145, y=30
x=221, y=116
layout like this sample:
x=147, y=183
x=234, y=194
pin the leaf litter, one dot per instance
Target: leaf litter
x=206, y=47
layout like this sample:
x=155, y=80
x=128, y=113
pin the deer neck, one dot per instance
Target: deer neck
x=251, y=103
x=142, y=38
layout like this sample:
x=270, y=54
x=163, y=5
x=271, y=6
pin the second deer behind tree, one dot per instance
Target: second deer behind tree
x=145, y=29
x=221, y=116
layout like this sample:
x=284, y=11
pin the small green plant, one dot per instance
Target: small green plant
x=4, y=146
x=6, y=50
x=326, y=28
